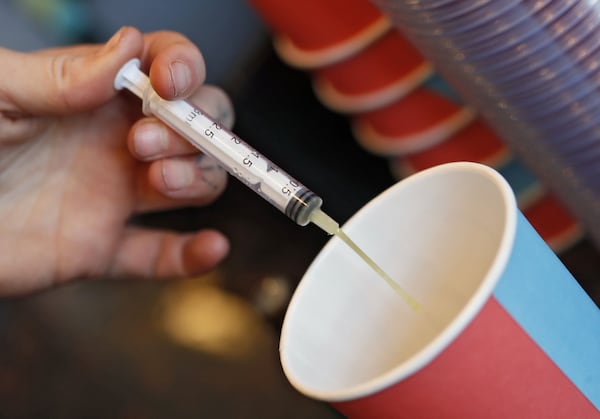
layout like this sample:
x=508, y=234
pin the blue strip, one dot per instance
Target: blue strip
x=543, y=297
x=437, y=84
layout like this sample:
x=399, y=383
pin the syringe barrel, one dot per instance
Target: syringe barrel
x=235, y=155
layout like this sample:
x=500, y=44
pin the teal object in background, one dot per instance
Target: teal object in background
x=439, y=85
x=67, y=20
x=524, y=184
x=18, y=32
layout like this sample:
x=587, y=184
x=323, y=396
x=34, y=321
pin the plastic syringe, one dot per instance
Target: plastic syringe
x=241, y=160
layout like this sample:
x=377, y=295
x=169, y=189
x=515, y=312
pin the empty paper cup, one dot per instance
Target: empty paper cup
x=504, y=330
x=411, y=124
x=382, y=72
x=474, y=143
x=313, y=33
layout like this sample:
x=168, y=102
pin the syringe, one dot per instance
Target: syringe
x=242, y=161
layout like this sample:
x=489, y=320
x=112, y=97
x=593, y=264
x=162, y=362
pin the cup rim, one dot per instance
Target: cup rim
x=439, y=343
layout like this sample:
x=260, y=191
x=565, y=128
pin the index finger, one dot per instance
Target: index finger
x=175, y=65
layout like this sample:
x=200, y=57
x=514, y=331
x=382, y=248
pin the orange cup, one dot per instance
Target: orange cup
x=412, y=124
x=475, y=143
x=313, y=33
x=559, y=229
x=385, y=71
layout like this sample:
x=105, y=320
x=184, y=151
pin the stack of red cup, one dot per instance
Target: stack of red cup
x=363, y=67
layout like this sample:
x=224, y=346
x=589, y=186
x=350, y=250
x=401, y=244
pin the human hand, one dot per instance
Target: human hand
x=77, y=160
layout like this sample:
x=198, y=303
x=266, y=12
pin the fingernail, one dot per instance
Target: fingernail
x=177, y=174
x=181, y=77
x=150, y=141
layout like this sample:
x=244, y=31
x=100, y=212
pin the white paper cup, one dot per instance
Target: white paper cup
x=504, y=330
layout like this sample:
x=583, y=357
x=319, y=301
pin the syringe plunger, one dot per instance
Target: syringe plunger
x=236, y=156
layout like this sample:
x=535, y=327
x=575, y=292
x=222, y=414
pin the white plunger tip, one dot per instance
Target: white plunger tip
x=131, y=77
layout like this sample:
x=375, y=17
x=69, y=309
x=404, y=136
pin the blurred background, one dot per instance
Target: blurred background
x=200, y=347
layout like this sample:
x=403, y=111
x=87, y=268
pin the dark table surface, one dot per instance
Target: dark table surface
x=205, y=347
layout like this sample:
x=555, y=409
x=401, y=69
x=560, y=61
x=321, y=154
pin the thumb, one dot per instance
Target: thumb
x=65, y=80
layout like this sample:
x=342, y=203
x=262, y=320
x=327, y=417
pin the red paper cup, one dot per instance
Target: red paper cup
x=475, y=143
x=554, y=223
x=313, y=33
x=504, y=330
x=414, y=123
x=385, y=71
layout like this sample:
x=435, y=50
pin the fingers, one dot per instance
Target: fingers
x=65, y=80
x=159, y=254
x=198, y=179
x=80, y=78
x=150, y=139
x=177, y=174
x=176, y=66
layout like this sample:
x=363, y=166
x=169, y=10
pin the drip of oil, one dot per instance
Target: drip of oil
x=330, y=226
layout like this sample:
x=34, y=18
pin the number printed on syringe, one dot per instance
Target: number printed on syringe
x=243, y=161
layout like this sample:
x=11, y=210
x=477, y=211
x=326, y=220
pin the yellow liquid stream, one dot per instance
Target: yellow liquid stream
x=329, y=225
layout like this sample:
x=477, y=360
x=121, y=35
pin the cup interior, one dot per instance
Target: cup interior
x=444, y=235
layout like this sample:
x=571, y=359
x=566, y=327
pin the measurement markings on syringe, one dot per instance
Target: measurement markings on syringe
x=244, y=162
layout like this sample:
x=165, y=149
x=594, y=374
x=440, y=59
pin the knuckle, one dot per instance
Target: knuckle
x=62, y=75
x=17, y=127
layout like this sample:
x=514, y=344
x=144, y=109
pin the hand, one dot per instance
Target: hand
x=77, y=160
